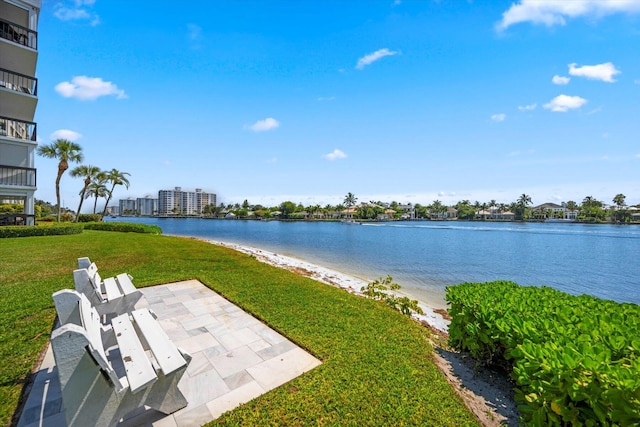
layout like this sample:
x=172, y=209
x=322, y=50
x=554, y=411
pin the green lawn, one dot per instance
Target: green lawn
x=377, y=367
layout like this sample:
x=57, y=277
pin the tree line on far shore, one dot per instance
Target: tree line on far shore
x=589, y=210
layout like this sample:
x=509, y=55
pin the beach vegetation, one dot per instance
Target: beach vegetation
x=64, y=151
x=575, y=360
x=377, y=366
x=382, y=289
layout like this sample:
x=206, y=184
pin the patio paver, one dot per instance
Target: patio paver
x=236, y=358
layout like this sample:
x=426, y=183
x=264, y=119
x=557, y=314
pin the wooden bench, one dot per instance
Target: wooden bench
x=107, y=371
x=111, y=295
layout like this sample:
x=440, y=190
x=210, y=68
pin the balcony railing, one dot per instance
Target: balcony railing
x=17, y=129
x=18, y=34
x=18, y=82
x=18, y=176
x=15, y=219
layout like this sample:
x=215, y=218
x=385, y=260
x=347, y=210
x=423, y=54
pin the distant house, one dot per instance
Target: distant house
x=506, y=216
x=451, y=213
x=349, y=213
x=408, y=211
x=558, y=211
x=333, y=214
x=572, y=215
x=483, y=214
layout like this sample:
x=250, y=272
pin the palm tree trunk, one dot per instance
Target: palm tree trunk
x=87, y=181
x=81, y=200
x=58, y=192
x=62, y=166
x=108, y=200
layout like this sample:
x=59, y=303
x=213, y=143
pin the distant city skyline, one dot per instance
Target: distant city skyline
x=306, y=101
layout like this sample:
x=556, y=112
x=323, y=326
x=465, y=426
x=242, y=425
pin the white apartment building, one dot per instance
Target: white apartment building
x=147, y=206
x=178, y=202
x=18, y=100
x=127, y=206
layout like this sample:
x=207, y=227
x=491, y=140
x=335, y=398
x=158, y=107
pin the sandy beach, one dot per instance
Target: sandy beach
x=334, y=278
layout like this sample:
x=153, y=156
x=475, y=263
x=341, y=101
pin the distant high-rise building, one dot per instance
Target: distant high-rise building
x=178, y=202
x=18, y=99
x=147, y=206
x=127, y=206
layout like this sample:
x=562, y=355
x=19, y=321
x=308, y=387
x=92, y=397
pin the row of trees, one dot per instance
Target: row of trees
x=590, y=209
x=96, y=182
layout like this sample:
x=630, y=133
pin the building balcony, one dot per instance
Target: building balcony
x=18, y=51
x=16, y=176
x=18, y=34
x=17, y=95
x=17, y=82
x=17, y=129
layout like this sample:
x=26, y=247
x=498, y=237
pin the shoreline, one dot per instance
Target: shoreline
x=335, y=278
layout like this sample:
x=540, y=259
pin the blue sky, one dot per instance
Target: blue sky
x=410, y=101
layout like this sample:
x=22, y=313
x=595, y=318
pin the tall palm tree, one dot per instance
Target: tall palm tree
x=350, y=199
x=619, y=200
x=115, y=177
x=492, y=206
x=523, y=201
x=89, y=173
x=65, y=151
x=96, y=189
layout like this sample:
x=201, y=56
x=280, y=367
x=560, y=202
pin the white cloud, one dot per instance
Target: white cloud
x=265, y=125
x=604, y=72
x=560, y=80
x=637, y=82
x=564, y=103
x=498, y=117
x=65, y=134
x=373, y=57
x=527, y=107
x=88, y=88
x=335, y=155
x=555, y=12
x=76, y=12
x=326, y=98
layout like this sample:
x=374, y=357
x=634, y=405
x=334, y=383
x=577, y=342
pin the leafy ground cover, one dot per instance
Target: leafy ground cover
x=377, y=366
x=575, y=359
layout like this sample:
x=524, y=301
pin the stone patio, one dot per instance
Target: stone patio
x=236, y=358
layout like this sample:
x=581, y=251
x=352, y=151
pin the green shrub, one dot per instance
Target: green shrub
x=575, y=359
x=378, y=290
x=125, y=227
x=89, y=218
x=34, y=230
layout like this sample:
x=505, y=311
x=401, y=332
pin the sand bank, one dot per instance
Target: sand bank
x=331, y=277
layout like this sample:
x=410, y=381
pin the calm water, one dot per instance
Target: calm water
x=424, y=257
